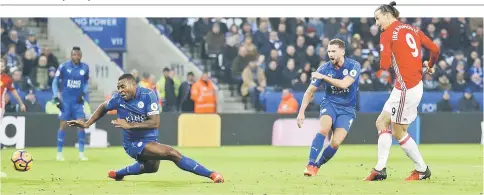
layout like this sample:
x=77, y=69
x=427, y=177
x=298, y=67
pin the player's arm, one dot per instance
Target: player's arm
x=152, y=110
x=431, y=46
x=98, y=114
x=17, y=97
x=339, y=83
x=308, y=97
x=385, y=51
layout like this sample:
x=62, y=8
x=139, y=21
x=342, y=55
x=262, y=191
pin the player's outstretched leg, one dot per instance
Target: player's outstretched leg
x=60, y=140
x=411, y=149
x=312, y=167
x=384, y=146
x=157, y=151
x=140, y=167
x=338, y=136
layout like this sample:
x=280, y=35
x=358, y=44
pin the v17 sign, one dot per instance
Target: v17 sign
x=108, y=33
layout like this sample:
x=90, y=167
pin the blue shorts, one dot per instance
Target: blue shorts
x=340, y=119
x=135, y=148
x=72, y=111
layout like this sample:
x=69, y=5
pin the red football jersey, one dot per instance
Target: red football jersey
x=6, y=83
x=401, y=47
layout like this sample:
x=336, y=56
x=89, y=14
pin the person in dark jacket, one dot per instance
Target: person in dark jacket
x=444, y=104
x=467, y=103
x=186, y=103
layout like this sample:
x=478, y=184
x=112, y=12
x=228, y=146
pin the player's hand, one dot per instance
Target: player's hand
x=317, y=75
x=428, y=70
x=23, y=108
x=58, y=103
x=121, y=123
x=77, y=123
x=300, y=119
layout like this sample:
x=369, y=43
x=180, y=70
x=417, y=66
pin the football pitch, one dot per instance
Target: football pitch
x=456, y=169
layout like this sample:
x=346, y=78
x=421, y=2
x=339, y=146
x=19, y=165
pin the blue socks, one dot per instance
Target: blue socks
x=134, y=169
x=81, y=135
x=60, y=140
x=316, y=148
x=187, y=164
x=328, y=153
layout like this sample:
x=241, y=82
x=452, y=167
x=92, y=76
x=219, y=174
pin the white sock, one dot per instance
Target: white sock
x=384, y=145
x=411, y=149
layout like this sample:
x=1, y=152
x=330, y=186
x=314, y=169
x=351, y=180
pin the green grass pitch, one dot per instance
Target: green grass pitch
x=456, y=169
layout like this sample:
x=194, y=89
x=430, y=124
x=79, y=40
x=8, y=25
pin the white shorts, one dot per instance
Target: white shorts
x=403, y=105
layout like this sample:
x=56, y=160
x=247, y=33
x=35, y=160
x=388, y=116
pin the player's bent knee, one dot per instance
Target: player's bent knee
x=174, y=154
x=335, y=143
x=151, y=169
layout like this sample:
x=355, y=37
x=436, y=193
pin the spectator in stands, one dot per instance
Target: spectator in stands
x=51, y=76
x=146, y=81
x=476, y=83
x=460, y=82
x=290, y=54
x=12, y=59
x=238, y=65
x=251, y=49
x=471, y=58
x=185, y=94
x=311, y=57
x=31, y=43
x=273, y=76
x=476, y=46
x=261, y=62
x=383, y=81
x=19, y=44
x=4, y=36
x=467, y=103
x=307, y=69
x=274, y=56
x=215, y=41
x=289, y=74
x=476, y=68
x=318, y=26
x=200, y=29
x=289, y=104
x=312, y=39
x=444, y=83
x=51, y=58
x=444, y=104
x=21, y=30
x=276, y=44
x=29, y=62
x=366, y=84
x=261, y=39
x=234, y=37
x=166, y=88
x=204, y=95
x=300, y=53
x=32, y=104
x=283, y=35
x=429, y=84
x=42, y=73
x=323, y=56
x=443, y=70
x=254, y=82
x=19, y=83
x=302, y=83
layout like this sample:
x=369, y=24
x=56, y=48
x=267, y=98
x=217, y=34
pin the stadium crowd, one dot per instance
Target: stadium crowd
x=257, y=55
x=271, y=54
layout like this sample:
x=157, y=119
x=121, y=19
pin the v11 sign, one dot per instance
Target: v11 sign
x=19, y=138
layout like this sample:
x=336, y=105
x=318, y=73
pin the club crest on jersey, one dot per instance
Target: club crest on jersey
x=82, y=72
x=323, y=111
x=345, y=72
x=154, y=106
x=57, y=73
x=69, y=71
x=141, y=105
x=353, y=73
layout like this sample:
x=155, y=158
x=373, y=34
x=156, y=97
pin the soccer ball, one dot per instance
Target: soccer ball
x=22, y=160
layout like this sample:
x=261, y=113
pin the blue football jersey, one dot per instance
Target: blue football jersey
x=73, y=80
x=136, y=110
x=343, y=98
